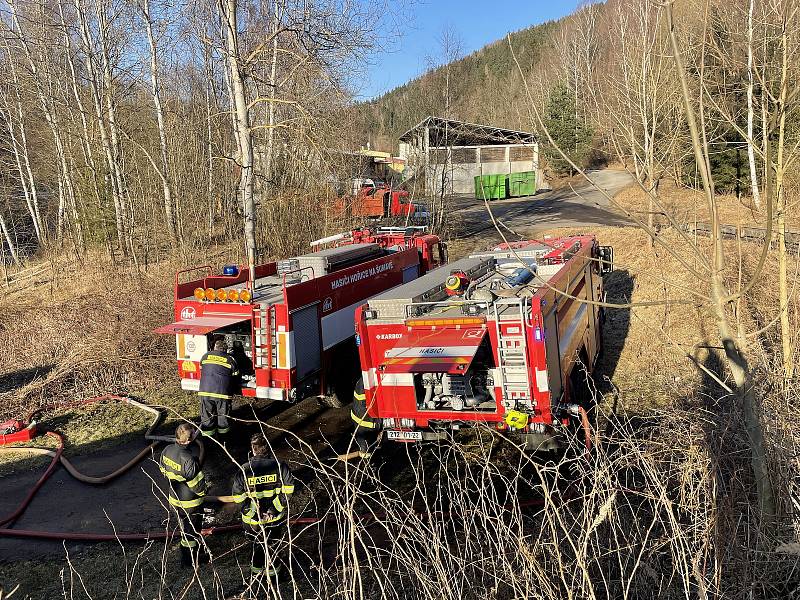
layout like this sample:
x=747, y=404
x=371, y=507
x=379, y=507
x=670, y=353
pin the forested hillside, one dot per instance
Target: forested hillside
x=481, y=87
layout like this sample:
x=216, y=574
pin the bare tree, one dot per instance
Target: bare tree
x=244, y=135
x=155, y=88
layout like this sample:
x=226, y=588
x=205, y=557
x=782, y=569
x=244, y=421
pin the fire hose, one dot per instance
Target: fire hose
x=57, y=457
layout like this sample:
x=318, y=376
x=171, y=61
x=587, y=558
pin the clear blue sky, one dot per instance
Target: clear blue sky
x=475, y=23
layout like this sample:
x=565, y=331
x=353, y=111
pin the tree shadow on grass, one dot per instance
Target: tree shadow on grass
x=17, y=379
x=619, y=289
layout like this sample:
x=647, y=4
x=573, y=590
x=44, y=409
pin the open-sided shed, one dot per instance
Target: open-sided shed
x=452, y=153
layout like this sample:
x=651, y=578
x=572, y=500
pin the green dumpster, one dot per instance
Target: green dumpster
x=522, y=184
x=491, y=187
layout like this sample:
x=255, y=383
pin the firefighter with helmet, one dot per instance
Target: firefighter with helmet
x=219, y=379
x=187, y=487
x=262, y=488
x=367, y=429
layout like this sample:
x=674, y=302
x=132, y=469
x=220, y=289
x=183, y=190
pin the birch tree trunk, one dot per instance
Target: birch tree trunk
x=22, y=156
x=209, y=90
x=9, y=240
x=244, y=135
x=751, y=156
x=155, y=89
x=94, y=86
x=108, y=94
x=273, y=94
x=67, y=193
x=780, y=203
x=85, y=138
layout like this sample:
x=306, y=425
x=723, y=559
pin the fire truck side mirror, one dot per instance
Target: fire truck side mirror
x=606, y=256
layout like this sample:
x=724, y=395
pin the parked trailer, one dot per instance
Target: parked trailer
x=495, y=339
x=296, y=322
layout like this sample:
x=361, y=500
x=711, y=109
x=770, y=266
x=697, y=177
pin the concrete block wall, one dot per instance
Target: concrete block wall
x=460, y=177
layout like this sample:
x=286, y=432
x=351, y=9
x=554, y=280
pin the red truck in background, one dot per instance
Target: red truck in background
x=294, y=325
x=375, y=199
x=494, y=339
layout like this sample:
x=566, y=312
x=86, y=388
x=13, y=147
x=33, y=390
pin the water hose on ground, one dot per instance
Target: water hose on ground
x=10, y=519
x=587, y=429
x=58, y=457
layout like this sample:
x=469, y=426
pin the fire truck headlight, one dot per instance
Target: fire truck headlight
x=199, y=294
x=222, y=295
x=233, y=295
x=210, y=292
x=370, y=314
x=406, y=422
x=390, y=422
x=245, y=296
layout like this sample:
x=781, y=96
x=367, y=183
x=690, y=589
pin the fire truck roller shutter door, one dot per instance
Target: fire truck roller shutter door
x=338, y=326
x=306, y=344
x=573, y=334
x=553, y=356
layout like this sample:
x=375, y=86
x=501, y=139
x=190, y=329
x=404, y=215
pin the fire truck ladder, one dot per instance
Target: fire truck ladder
x=264, y=343
x=512, y=355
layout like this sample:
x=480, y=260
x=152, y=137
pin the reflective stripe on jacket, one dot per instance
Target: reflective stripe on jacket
x=218, y=375
x=187, y=484
x=263, y=487
x=359, y=411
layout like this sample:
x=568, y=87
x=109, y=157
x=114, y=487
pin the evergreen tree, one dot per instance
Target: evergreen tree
x=569, y=130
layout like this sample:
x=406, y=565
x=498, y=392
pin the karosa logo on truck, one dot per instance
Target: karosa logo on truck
x=356, y=277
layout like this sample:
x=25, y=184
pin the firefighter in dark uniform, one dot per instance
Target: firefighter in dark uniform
x=219, y=379
x=367, y=429
x=263, y=487
x=187, y=486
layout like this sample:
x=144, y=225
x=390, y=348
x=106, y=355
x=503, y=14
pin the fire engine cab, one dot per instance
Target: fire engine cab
x=495, y=339
x=293, y=324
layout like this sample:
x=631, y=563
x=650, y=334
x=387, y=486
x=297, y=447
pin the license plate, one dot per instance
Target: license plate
x=404, y=436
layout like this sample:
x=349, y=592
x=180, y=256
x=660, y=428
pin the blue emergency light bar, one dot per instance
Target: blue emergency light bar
x=230, y=270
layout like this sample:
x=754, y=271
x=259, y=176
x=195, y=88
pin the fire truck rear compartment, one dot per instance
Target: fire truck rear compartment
x=501, y=284
x=470, y=391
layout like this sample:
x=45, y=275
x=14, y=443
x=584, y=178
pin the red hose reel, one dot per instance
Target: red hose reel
x=13, y=431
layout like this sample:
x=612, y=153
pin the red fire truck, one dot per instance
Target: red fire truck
x=375, y=199
x=495, y=338
x=295, y=322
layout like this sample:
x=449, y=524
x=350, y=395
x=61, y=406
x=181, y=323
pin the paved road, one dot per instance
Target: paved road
x=583, y=204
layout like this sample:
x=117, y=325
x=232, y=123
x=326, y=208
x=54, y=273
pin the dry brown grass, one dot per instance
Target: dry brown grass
x=689, y=206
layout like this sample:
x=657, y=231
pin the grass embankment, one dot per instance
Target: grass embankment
x=84, y=330
x=688, y=206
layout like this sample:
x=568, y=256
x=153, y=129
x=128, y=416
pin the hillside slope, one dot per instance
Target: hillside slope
x=483, y=88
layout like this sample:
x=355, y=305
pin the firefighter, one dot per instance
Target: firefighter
x=219, y=378
x=367, y=429
x=187, y=486
x=263, y=487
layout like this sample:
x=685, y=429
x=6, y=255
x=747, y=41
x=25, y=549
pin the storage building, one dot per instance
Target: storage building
x=451, y=154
